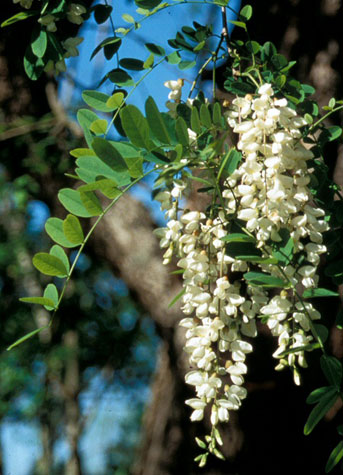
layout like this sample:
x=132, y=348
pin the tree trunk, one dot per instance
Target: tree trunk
x=71, y=391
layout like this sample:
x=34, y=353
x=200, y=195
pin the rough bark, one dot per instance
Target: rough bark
x=71, y=388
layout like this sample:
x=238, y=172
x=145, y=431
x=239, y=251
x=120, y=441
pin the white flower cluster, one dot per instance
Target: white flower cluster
x=217, y=316
x=269, y=192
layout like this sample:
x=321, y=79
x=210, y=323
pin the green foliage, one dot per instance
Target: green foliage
x=49, y=264
x=326, y=401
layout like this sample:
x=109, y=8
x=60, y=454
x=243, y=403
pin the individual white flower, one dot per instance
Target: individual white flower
x=176, y=89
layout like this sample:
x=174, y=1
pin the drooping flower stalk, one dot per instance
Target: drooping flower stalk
x=268, y=192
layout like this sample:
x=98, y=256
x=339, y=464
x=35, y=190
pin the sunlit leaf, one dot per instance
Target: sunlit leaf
x=49, y=265
x=73, y=230
x=51, y=293
x=54, y=228
x=59, y=252
x=71, y=200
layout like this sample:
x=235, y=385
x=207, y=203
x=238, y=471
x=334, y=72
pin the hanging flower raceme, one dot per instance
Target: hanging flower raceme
x=268, y=192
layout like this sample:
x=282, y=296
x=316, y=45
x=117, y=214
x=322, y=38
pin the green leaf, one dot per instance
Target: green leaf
x=319, y=411
x=33, y=66
x=147, y=4
x=102, y=13
x=181, y=131
x=183, y=65
x=279, y=61
x=240, y=24
x=156, y=122
x=332, y=370
x=72, y=229
x=80, y=152
x=132, y=64
x=49, y=265
x=39, y=42
x=26, y=337
x=128, y=18
x=97, y=100
x=316, y=395
x=115, y=100
x=176, y=298
x=39, y=300
x=332, y=102
x=230, y=161
x=253, y=46
x=239, y=87
x=283, y=250
x=94, y=167
x=86, y=118
x=18, y=17
x=335, y=456
x=312, y=293
x=51, y=293
x=205, y=116
x=106, y=186
x=155, y=49
x=174, y=57
x=264, y=280
x=91, y=202
x=58, y=251
x=335, y=132
x=199, y=46
x=195, y=121
x=71, y=200
x=120, y=77
x=308, y=118
x=109, y=155
x=217, y=114
x=268, y=50
x=58, y=7
x=54, y=228
x=99, y=126
x=322, y=332
x=135, y=166
x=135, y=126
x=244, y=250
x=246, y=12
x=149, y=62
x=113, y=41
x=238, y=237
